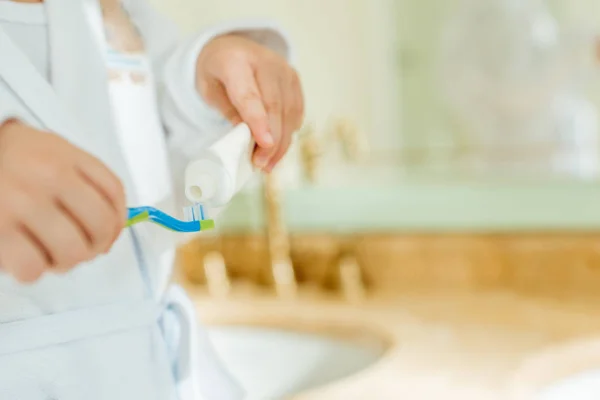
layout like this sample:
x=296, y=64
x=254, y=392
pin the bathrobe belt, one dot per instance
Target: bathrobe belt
x=195, y=365
x=70, y=326
x=65, y=327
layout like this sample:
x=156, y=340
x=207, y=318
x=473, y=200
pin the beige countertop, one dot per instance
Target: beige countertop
x=441, y=346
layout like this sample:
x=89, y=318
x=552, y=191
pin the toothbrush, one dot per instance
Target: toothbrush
x=194, y=216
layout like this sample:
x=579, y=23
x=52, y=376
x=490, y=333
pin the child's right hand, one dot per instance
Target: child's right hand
x=59, y=206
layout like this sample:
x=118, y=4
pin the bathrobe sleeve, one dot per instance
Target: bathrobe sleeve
x=6, y=114
x=191, y=124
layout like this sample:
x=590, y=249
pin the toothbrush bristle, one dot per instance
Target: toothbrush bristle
x=194, y=212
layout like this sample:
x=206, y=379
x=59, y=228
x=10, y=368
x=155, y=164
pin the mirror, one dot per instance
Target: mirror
x=498, y=89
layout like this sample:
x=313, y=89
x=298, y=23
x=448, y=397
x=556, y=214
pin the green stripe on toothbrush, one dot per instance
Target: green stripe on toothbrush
x=204, y=225
x=141, y=217
x=207, y=224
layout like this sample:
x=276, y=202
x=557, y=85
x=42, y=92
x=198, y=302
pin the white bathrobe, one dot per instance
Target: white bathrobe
x=112, y=329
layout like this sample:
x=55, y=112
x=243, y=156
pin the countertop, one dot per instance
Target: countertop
x=441, y=345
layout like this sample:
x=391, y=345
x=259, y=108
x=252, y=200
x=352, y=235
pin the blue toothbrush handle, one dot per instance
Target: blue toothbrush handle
x=160, y=218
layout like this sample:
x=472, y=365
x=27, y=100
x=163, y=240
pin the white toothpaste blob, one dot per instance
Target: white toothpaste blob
x=221, y=170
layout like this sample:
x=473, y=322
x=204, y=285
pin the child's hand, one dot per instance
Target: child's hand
x=250, y=83
x=59, y=206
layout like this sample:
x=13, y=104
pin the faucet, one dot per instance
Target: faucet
x=217, y=279
x=282, y=269
x=351, y=281
x=278, y=241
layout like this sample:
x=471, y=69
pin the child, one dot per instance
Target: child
x=93, y=95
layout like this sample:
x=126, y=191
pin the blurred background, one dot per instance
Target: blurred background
x=434, y=231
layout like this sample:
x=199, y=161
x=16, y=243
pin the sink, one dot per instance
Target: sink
x=275, y=363
x=582, y=386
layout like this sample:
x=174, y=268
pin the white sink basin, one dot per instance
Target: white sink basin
x=274, y=364
x=582, y=386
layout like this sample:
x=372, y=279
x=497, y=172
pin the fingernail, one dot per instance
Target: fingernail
x=261, y=161
x=269, y=140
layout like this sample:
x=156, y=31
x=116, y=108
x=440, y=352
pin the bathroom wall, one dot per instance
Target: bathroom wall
x=419, y=28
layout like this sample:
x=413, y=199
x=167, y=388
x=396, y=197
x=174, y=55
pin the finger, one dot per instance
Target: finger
x=106, y=183
x=284, y=145
x=60, y=237
x=217, y=97
x=92, y=213
x=243, y=93
x=21, y=256
x=293, y=105
x=17, y=204
x=272, y=98
x=297, y=107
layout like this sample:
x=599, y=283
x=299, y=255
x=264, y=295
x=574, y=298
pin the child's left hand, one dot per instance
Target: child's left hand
x=250, y=83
